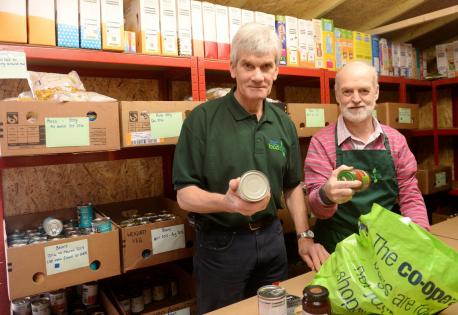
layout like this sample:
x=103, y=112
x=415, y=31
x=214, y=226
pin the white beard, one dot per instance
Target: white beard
x=357, y=116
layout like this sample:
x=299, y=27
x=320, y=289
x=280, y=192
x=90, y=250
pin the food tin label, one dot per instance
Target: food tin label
x=137, y=305
x=254, y=186
x=89, y=291
x=85, y=215
x=272, y=300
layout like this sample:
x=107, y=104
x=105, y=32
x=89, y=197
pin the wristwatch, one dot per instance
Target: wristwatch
x=306, y=234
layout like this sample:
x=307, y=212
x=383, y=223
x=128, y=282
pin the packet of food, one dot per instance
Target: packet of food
x=392, y=266
x=51, y=86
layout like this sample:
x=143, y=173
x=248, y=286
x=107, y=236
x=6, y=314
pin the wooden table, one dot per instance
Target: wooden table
x=446, y=231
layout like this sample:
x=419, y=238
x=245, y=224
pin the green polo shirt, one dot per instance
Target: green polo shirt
x=220, y=141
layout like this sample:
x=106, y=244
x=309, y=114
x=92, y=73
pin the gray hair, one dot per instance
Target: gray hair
x=358, y=64
x=257, y=39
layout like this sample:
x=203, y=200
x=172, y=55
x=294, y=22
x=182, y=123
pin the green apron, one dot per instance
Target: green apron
x=383, y=190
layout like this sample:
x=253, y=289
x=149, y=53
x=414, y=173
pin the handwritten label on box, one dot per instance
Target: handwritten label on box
x=66, y=256
x=405, y=115
x=168, y=238
x=441, y=179
x=67, y=131
x=13, y=65
x=165, y=125
x=314, y=117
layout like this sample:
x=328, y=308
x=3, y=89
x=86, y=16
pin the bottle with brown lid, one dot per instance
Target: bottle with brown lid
x=316, y=301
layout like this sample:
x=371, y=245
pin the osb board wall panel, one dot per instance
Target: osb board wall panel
x=444, y=108
x=446, y=148
x=44, y=188
x=12, y=88
x=299, y=94
x=181, y=90
x=422, y=148
x=425, y=109
x=123, y=89
x=118, y=88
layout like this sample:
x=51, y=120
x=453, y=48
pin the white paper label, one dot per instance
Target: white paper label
x=66, y=256
x=168, y=238
x=184, y=311
x=405, y=116
x=13, y=65
x=441, y=179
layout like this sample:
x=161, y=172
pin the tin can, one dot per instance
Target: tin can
x=58, y=301
x=272, y=300
x=41, y=307
x=254, y=186
x=101, y=225
x=53, y=226
x=85, y=215
x=18, y=243
x=356, y=174
x=173, y=284
x=89, y=293
x=159, y=290
x=127, y=223
x=21, y=307
x=125, y=302
x=137, y=304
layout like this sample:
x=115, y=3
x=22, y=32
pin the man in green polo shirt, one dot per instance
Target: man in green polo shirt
x=240, y=245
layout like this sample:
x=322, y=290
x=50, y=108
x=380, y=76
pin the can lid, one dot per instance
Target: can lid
x=271, y=292
x=254, y=186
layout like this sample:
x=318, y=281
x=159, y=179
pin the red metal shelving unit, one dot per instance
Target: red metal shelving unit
x=96, y=63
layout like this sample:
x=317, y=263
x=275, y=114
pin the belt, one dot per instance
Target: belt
x=207, y=225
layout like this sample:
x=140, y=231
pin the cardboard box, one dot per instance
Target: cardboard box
x=136, y=126
x=90, y=31
x=184, y=27
x=35, y=268
x=41, y=22
x=329, y=46
x=292, y=41
x=152, y=243
x=197, y=29
x=67, y=23
x=398, y=115
x=112, y=25
x=25, y=126
x=222, y=31
x=142, y=17
x=235, y=21
x=13, y=22
x=309, y=118
x=247, y=16
x=168, y=18
x=183, y=303
x=318, y=43
x=447, y=228
x=440, y=217
x=432, y=179
x=209, y=25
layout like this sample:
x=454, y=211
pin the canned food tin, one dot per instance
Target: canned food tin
x=18, y=243
x=137, y=303
x=159, y=290
x=254, y=186
x=89, y=292
x=21, y=307
x=127, y=223
x=101, y=225
x=58, y=301
x=52, y=226
x=85, y=215
x=271, y=300
x=125, y=302
x=356, y=174
x=41, y=307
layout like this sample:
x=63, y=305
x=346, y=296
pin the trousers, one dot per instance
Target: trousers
x=231, y=265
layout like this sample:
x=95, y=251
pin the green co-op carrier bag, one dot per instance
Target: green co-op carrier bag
x=392, y=266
